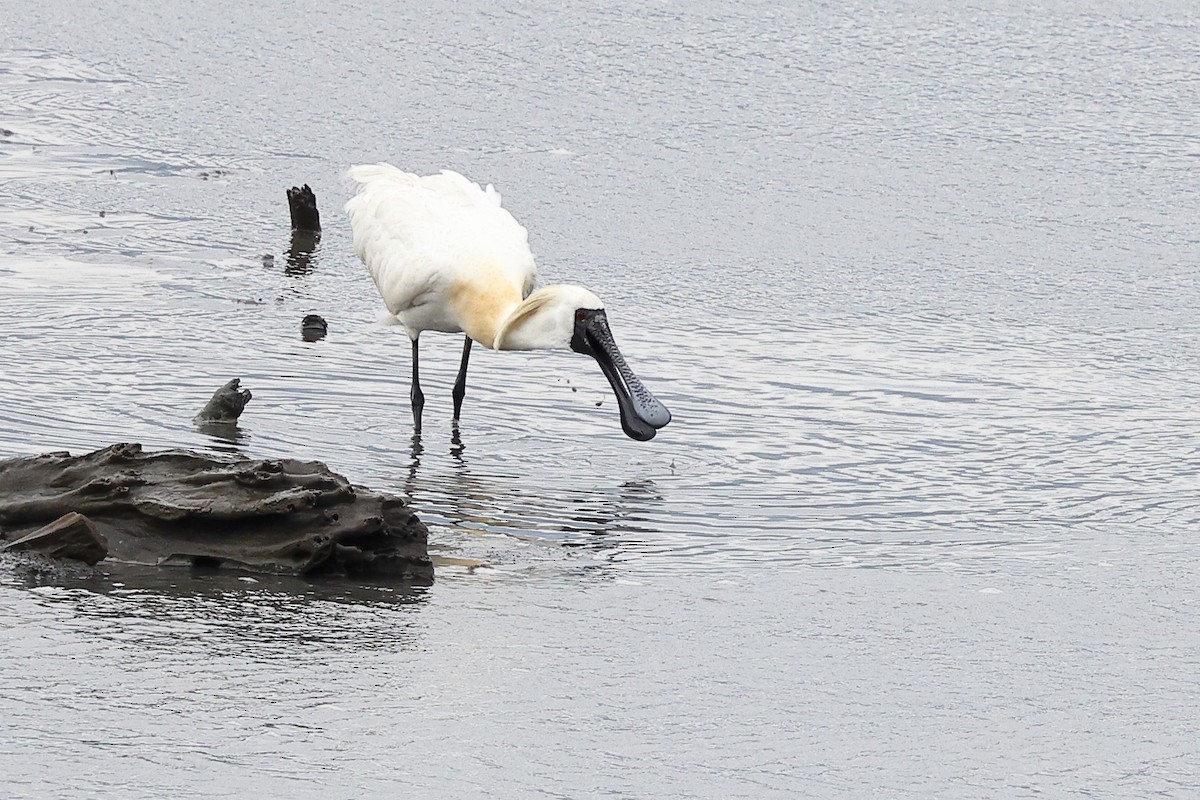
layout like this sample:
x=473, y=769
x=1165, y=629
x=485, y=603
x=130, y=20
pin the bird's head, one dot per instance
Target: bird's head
x=571, y=317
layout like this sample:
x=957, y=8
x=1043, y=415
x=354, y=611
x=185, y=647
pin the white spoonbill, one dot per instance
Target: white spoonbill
x=446, y=257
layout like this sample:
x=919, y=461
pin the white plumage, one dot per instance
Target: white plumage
x=447, y=257
x=423, y=238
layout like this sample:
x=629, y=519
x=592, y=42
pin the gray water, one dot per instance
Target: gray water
x=918, y=282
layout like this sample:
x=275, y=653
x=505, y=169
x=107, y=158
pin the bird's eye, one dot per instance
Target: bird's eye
x=580, y=315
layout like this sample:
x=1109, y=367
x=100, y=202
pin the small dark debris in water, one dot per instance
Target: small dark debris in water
x=313, y=328
x=268, y=260
x=302, y=204
x=573, y=389
x=103, y=213
x=7, y=132
x=112, y=172
x=599, y=403
x=85, y=230
x=213, y=173
x=226, y=405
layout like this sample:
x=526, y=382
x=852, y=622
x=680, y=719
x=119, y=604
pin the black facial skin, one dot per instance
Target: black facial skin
x=641, y=413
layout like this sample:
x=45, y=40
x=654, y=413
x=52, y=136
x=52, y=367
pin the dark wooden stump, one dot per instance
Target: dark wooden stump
x=302, y=204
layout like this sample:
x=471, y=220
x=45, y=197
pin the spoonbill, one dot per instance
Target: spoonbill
x=446, y=257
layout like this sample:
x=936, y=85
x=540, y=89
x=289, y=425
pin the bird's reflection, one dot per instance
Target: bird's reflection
x=457, y=448
x=620, y=510
x=414, y=463
x=601, y=517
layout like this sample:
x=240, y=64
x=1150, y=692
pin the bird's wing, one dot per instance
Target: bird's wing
x=416, y=234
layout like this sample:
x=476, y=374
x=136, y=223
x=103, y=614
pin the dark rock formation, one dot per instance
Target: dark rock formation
x=71, y=536
x=177, y=507
x=226, y=405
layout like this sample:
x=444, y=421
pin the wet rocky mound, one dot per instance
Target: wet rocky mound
x=177, y=507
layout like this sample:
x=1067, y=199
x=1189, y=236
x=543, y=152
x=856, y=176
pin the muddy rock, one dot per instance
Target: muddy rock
x=181, y=508
x=226, y=404
x=72, y=536
x=313, y=328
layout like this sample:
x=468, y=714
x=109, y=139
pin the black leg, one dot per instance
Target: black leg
x=418, y=397
x=456, y=444
x=460, y=383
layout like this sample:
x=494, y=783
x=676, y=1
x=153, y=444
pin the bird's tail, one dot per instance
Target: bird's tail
x=376, y=173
